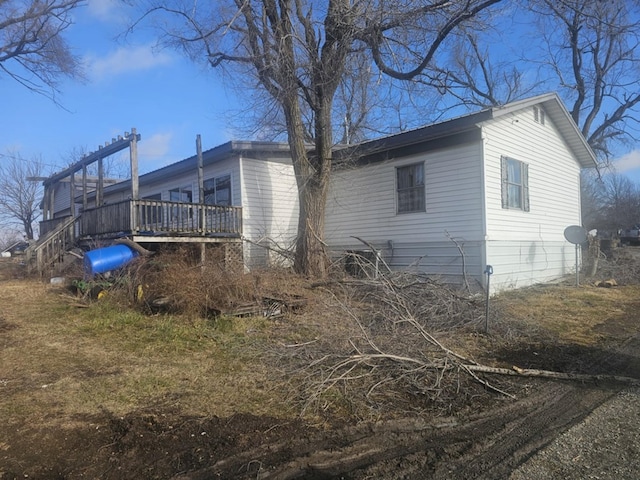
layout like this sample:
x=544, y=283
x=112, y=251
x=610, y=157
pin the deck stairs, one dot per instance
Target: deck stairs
x=51, y=248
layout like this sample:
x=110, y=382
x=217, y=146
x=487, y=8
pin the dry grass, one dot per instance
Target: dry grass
x=62, y=358
x=570, y=314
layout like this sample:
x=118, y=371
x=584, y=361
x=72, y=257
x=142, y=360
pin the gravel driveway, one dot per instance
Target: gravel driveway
x=606, y=445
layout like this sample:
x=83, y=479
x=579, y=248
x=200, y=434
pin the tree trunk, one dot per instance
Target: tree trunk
x=311, y=255
x=28, y=230
x=312, y=176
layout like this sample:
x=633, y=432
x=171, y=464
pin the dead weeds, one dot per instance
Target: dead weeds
x=67, y=362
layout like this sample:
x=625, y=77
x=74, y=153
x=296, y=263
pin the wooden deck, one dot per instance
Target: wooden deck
x=160, y=218
x=143, y=221
x=156, y=220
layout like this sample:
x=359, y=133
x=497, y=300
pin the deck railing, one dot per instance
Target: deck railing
x=58, y=237
x=50, y=225
x=155, y=216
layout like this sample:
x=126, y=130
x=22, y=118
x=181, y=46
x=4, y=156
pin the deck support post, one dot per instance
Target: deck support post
x=100, y=189
x=72, y=194
x=84, y=187
x=201, y=216
x=203, y=254
x=133, y=155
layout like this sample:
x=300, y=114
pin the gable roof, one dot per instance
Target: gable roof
x=470, y=125
x=561, y=118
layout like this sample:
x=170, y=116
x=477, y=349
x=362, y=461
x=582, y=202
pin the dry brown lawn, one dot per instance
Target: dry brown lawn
x=70, y=364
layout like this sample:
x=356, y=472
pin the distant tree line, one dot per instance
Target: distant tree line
x=609, y=202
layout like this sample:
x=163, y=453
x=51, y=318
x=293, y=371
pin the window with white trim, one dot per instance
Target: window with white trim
x=515, y=184
x=410, y=188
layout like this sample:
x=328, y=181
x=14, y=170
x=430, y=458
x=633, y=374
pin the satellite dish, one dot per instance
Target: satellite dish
x=575, y=234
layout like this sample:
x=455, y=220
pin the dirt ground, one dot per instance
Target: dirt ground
x=550, y=431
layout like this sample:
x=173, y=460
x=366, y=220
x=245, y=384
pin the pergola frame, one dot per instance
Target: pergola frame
x=130, y=140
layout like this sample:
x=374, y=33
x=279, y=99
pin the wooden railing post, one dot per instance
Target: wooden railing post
x=133, y=217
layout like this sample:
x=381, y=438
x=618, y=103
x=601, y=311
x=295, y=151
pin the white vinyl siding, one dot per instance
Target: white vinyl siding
x=62, y=199
x=270, y=209
x=362, y=203
x=520, y=263
x=529, y=248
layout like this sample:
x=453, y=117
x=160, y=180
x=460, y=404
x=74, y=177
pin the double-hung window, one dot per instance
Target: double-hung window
x=410, y=188
x=515, y=184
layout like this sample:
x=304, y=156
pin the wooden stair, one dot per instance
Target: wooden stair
x=50, y=248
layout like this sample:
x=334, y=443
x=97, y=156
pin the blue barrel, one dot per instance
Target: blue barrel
x=108, y=258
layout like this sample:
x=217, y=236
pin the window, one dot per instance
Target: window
x=217, y=191
x=538, y=115
x=410, y=188
x=515, y=184
x=182, y=194
x=181, y=215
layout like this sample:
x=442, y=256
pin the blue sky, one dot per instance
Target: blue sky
x=130, y=84
x=167, y=98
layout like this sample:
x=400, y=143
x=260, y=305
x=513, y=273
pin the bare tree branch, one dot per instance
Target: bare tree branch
x=593, y=51
x=32, y=49
x=19, y=196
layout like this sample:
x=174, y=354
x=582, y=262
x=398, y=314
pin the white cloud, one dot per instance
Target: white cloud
x=628, y=162
x=106, y=10
x=125, y=60
x=154, y=151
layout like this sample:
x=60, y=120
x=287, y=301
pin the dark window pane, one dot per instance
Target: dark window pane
x=223, y=190
x=410, y=188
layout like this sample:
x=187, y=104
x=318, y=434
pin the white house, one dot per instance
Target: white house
x=256, y=176
x=497, y=187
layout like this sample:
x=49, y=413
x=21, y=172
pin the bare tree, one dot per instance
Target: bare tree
x=610, y=202
x=19, y=196
x=592, y=48
x=474, y=77
x=32, y=49
x=586, y=50
x=299, y=52
x=593, y=211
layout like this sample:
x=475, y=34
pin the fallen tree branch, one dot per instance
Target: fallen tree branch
x=389, y=362
x=528, y=372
